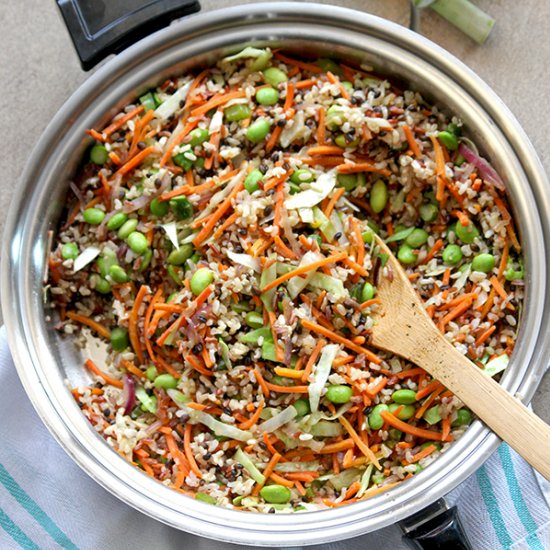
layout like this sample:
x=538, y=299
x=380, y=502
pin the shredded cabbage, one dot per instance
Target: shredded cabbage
x=319, y=190
x=297, y=284
x=246, y=260
x=172, y=233
x=324, y=428
x=86, y=256
x=277, y=421
x=365, y=479
x=332, y=285
x=321, y=372
x=496, y=365
x=249, y=51
x=297, y=466
x=242, y=458
x=268, y=275
x=168, y=107
x=343, y=479
x=324, y=224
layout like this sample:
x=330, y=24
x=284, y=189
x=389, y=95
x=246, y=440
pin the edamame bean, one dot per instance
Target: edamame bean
x=137, y=242
x=117, y=221
x=302, y=176
x=483, y=262
x=404, y=397
x=99, y=154
x=148, y=101
x=257, y=131
x=329, y=65
x=274, y=76
x=105, y=261
x=343, y=142
x=99, y=284
x=251, y=181
x=406, y=412
x=198, y=136
x=339, y=393
x=335, y=117
x=432, y=415
x=467, y=233
x=146, y=258
x=406, y=255
x=205, y=498
x=395, y=434
x=368, y=236
x=254, y=319
x=159, y=208
x=183, y=160
x=463, y=417
x=267, y=96
x=151, y=372
x=378, y=196
x=375, y=420
x=181, y=207
x=118, y=274
x=127, y=227
x=448, y=139
x=236, y=112
x=452, y=254
x=275, y=494
x=69, y=251
x=93, y=216
x=201, y=279
x=347, y=181
x=179, y=257
x=166, y=381
x=367, y=293
x=417, y=238
x=172, y=271
x=119, y=339
x=428, y=212
x=302, y=406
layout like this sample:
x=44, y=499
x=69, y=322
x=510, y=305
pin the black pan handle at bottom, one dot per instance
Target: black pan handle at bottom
x=436, y=527
x=99, y=28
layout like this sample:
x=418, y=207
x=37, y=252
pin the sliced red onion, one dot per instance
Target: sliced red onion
x=136, y=204
x=77, y=192
x=486, y=171
x=129, y=393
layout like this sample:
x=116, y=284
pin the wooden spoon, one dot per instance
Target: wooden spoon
x=403, y=327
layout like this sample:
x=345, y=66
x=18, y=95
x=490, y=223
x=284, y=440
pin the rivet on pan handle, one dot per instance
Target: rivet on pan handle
x=99, y=28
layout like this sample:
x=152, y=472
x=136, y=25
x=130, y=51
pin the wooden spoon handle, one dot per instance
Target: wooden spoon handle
x=510, y=419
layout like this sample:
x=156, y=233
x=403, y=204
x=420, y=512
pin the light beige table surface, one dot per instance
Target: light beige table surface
x=39, y=70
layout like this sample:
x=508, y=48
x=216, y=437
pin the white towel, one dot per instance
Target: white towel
x=47, y=502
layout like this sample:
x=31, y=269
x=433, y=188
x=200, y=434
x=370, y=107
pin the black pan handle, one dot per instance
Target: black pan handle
x=102, y=27
x=436, y=527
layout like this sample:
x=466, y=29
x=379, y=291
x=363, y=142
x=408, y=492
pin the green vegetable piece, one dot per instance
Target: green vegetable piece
x=203, y=497
x=455, y=129
x=467, y=233
x=401, y=233
x=179, y=257
x=302, y=406
x=137, y=242
x=347, y=85
x=148, y=402
x=236, y=112
x=257, y=131
x=146, y=258
x=378, y=196
x=374, y=418
x=181, y=207
x=428, y=212
x=201, y=279
x=119, y=339
x=106, y=261
x=127, y=227
x=118, y=274
x=342, y=141
x=100, y=284
x=276, y=494
x=254, y=319
x=99, y=154
x=395, y=434
x=158, y=208
x=452, y=254
x=432, y=415
x=274, y=76
x=151, y=372
x=302, y=176
x=69, y=251
x=116, y=221
x=93, y=216
x=484, y=263
x=368, y=236
x=261, y=61
x=339, y=393
x=406, y=412
x=448, y=139
x=335, y=117
x=347, y=181
x=512, y=275
x=251, y=181
x=253, y=336
x=404, y=397
x=166, y=381
x=367, y=293
x=182, y=160
x=406, y=255
x=198, y=136
x=148, y=101
x=417, y=238
x=463, y=417
x=329, y=65
x=267, y=96
x=460, y=160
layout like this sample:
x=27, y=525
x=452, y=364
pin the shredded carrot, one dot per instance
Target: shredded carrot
x=324, y=150
x=428, y=403
x=95, y=134
x=315, y=69
x=358, y=441
x=273, y=139
x=286, y=389
x=267, y=472
x=333, y=200
x=304, y=269
x=356, y=267
x=197, y=365
x=429, y=388
x=130, y=367
x=280, y=480
x=216, y=101
x=136, y=160
x=288, y=373
x=95, y=326
x=90, y=365
x=499, y=289
x=321, y=127
x=312, y=358
x=302, y=84
x=121, y=121
x=458, y=310
x=177, y=140
x=438, y=245
x=315, y=328
x=330, y=448
x=413, y=144
x=214, y=142
x=413, y=430
x=133, y=324
x=335, y=80
x=178, y=457
x=263, y=384
x=189, y=452
x=348, y=168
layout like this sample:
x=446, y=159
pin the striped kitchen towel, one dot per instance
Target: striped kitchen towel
x=47, y=502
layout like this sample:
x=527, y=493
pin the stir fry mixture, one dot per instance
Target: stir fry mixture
x=219, y=239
